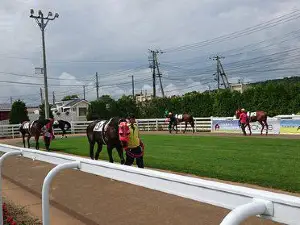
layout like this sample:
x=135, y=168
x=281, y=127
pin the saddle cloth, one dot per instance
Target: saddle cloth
x=28, y=125
x=100, y=126
x=249, y=114
x=178, y=116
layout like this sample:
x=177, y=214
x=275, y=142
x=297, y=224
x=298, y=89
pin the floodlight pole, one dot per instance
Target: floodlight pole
x=42, y=22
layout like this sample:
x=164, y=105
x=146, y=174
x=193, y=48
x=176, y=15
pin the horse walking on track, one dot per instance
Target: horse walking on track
x=33, y=128
x=257, y=116
x=63, y=125
x=177, y=119
x=105, y=133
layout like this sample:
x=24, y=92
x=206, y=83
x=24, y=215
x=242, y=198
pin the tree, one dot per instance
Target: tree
x=18, y=113
x=70, y=97
x=42, y=112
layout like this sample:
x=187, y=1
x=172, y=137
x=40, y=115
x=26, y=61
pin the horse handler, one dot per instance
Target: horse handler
x=243, y=121
x=48, y=134
x=135, y=148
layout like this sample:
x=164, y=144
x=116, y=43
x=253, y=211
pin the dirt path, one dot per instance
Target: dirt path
x=97, y=200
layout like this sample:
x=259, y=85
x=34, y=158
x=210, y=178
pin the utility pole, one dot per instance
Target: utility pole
x=42, y=22
x=84, y=92
x=53, y=98
x=154, y=66
x=11, y=101
x=221, y=73
x=41, y=94
x=97, y=85
x=132, y=82
x=159, y=76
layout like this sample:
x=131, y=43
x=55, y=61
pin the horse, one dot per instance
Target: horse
x=105, y=133
x=63, y=125
x=33, y=128
x=257, y=116
x=177, y=119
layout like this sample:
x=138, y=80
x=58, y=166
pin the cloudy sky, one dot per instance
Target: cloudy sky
x=259, y=40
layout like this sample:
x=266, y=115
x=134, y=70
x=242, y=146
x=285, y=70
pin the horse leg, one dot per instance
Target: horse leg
x=267, y=127
x=185, y=127
x=99, y=149
x=23, y=138
x=37, y=145
x=109, y=151
x=92, y=144
x=192, y=123
x=262, y=127
x=249, y=127
x=28, y=138
x=120, y=152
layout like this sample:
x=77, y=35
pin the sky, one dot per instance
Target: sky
x=259, y=40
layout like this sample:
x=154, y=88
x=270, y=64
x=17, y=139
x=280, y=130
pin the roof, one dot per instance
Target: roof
x=5, y=107
x=74, y=102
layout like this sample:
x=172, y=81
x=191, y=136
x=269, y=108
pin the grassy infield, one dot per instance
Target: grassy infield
x=268, y=162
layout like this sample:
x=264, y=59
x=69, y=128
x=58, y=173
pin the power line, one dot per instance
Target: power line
x=265, y=25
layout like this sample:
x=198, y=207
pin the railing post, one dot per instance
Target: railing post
x=241, y=213
x=46, y=187
x=13, y=132
x=2, y=158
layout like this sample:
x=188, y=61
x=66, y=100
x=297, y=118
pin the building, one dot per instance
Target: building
x=5, y=109
x=33, y=112
x=71, y=110
x=142, y=97
x=240, y=87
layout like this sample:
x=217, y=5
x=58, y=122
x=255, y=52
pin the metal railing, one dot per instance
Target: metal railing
x=244, y=202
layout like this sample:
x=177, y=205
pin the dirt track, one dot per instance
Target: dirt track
x=97, y=200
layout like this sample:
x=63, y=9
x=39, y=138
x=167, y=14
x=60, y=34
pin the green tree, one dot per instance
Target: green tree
x=70, y=97
x=18, y=113
x=42, y=112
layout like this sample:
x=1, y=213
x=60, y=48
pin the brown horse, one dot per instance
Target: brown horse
x=177, y=119
x=257, y=116
x=33, y=128
x=105, y=133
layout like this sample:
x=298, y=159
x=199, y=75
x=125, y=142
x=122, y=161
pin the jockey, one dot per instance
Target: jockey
x=135, y=149
x=243, y=120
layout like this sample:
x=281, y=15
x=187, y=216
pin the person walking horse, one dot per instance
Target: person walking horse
x=132, y=144
x=243, y=120
x=48, y=134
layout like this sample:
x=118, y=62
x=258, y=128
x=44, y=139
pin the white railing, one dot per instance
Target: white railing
x=244, y=202
x=201, y=124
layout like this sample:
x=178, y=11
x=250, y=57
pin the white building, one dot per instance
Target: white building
x=71, y=110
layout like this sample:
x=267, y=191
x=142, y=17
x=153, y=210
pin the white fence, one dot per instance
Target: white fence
x=244, y=202
x=201, y=124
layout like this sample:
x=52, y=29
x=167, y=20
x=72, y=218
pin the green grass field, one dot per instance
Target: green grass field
x=268, y=162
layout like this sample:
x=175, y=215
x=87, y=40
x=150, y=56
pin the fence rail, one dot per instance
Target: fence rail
x=202, y=124
x=243, y=202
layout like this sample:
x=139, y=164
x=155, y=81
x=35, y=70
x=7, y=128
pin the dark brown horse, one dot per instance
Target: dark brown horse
x=177, y=119
x=33, y=128
x=257, y=116
x=105, y=133
x=63, y=125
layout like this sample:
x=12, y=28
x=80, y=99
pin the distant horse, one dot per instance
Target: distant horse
x=258, y=116
x=33, y=128
x=105, y=133
x=177, y=119
x=63, y=125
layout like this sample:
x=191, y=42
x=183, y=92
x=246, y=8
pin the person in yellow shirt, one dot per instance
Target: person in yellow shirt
x=135, y=148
